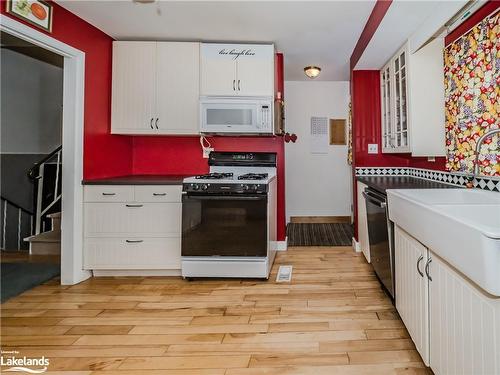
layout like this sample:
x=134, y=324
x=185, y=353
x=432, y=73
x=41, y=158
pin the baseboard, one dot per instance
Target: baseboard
x=356, y=246
x=320, y=219
x=282, y=245
x=98, y=273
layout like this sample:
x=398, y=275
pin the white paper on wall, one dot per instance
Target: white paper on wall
x=319, y=135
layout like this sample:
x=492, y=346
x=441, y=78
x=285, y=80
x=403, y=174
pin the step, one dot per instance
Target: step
x=47, y=243
x=56, y=220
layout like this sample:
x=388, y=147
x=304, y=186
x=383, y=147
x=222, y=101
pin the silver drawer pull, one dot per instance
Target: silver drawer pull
x=159, y=194
x=108, y=194
x=134, y=241
x=134, y=205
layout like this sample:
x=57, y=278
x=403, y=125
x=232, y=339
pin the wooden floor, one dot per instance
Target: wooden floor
x=333, y=319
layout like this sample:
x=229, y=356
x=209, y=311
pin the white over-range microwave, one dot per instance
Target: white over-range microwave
x=220, y=115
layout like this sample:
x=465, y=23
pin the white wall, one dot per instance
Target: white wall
x=316, y=184
x=31, y=104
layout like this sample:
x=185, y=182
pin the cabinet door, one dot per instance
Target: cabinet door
x=255, y=71
x=363, y=223
x=177, y=88
x=412, y=290
x=217, y=70
x=400, y=116
x=133, y=87
x=386, y=110
x=464, y=324
x=132, y=253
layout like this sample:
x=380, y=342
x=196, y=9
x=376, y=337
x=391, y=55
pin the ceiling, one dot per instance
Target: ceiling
x=402, y=20
x=321, y=33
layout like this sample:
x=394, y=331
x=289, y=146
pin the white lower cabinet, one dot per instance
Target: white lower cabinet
x=464, y=325
x=364, y=241
x=412, y=291
x=454, y=324
x=132, y=227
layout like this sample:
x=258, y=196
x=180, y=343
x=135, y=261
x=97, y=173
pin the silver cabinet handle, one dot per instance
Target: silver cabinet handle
x=159, y=194
x=108, y=194
x=239, y=89
x=234, y=83
x=134, y=205
x=134, y=241
x=156, y=123
x=420, y=258
x=427, y=269
x=151, y=123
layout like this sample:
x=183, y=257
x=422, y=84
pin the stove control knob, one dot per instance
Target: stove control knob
x=255, y=187
x=245, y=187
x=195, y=186
x=204, y=187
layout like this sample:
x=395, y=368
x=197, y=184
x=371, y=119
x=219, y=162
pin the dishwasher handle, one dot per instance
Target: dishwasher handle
x=373, y=200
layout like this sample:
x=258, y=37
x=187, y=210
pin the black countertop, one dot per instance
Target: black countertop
x=383, y=183
x=137, y=180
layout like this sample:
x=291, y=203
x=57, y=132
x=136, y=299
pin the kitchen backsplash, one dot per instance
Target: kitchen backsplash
x=472, y=86
x=486, y=183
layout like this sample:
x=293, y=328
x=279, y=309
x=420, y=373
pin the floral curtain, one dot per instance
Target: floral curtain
x=472, y=86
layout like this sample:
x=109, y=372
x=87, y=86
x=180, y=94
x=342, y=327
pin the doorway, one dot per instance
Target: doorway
x=71, y=156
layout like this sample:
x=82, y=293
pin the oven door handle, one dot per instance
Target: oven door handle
x=376, y=202
x=225, y=197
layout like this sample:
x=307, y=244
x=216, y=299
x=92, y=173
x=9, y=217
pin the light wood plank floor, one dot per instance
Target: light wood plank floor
x=333, y=318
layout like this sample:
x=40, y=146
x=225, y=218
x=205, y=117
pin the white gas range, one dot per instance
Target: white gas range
x=229, y=217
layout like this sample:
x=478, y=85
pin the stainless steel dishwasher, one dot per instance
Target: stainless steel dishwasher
x=381, y=235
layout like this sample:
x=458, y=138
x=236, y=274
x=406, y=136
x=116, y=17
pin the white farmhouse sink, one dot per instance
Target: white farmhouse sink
x=459, y=225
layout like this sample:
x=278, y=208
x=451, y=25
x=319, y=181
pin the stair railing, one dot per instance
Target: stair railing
x=5, y=204
x=37, y=174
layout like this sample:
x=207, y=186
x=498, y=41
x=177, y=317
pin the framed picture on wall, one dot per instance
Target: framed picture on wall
x=36, y=12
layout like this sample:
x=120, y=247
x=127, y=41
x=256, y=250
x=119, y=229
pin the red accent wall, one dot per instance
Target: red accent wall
x=183, y=155
x=104, y=154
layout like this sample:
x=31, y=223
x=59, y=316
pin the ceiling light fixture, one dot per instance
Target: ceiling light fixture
x=312, y=71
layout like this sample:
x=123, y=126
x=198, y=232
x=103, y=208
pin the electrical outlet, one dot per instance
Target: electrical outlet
x=207, y=151
x=372, y=148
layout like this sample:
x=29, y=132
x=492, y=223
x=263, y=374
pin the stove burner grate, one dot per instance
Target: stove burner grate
x=214, y=176
x=253, y=176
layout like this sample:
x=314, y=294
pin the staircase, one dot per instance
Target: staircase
x=47, y=243
x=47, y=177
x=41, y=229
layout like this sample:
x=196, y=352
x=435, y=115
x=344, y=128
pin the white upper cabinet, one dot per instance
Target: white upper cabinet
x=133, y=87
x=178, y=87
x=155, y=88
x=412, y=101
x=236, y=70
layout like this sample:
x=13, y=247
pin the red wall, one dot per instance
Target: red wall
x=183, y=155
x=104, y=154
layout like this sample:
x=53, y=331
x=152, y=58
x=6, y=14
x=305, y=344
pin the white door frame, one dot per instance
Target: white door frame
x=72, y=134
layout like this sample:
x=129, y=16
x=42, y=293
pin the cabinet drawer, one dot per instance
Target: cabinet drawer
x=132, y=219
x=132, y=253
x=108, y=193
x=158, y=193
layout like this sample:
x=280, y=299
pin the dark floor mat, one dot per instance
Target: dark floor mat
x=19, y=277
x=324, y=234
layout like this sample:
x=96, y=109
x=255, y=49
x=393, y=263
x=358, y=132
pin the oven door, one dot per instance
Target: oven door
x=224, y=226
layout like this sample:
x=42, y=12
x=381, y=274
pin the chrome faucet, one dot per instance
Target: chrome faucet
x=478, y=149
